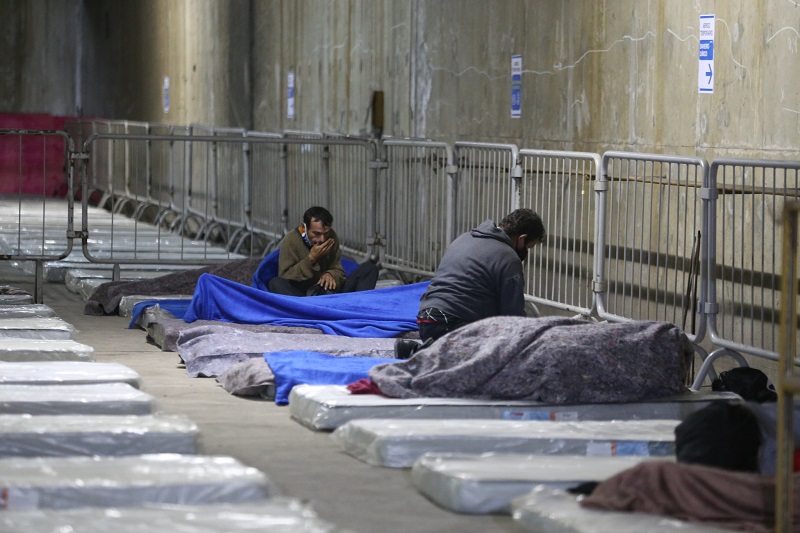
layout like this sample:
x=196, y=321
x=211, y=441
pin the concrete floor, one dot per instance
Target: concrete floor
x=303, y=464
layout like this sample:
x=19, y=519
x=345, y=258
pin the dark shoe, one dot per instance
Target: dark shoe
x=318, y=290
x=405, y=348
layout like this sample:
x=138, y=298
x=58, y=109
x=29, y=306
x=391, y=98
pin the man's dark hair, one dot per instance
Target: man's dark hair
x=318, y=213
x=524, y=222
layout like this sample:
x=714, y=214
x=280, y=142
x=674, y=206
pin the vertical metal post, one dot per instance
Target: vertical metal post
x=787, y=382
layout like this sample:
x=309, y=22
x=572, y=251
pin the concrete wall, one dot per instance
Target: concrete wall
x=597, y=75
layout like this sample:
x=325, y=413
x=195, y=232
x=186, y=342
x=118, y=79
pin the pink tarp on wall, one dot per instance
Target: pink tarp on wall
x=33, y=164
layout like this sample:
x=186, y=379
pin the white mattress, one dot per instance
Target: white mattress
x=69, y=482
x=398, y=443
x=16, y=299
x=272, y=516
x=486, y=483
x=66, y=373
x=49, y=328
x=326, y=407
x=25, y=311
x=44, y=350
x=554, y=511
x=61, y=435
x=87, y=399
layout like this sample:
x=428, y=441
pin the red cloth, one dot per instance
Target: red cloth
x=364, y=386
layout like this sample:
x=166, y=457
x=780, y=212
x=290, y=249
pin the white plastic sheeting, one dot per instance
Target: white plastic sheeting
x=272, y=516
x=50, y=328
x=69, y=482
x=66, y=373
x=88, y=399
x=398, y=443
x=487, y=483
x=44, y=350
x=555, y=511
x=326, y=407
x=62, y=435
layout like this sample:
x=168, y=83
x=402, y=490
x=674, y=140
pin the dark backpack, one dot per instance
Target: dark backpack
x=749, y=383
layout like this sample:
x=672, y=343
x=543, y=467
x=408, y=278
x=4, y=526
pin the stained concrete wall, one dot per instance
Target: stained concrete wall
x=597, y=75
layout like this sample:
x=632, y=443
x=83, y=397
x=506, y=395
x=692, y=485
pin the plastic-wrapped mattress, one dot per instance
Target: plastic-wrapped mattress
x=487, y=483
x=62, y=435
x=555, y=511
x=66, y=373
x=272, y=516
x=398, y=443
x=49, y=328
x=326, y=407
x=69, y=482
x=25, y=311
x=88, y=399
x=44, y=350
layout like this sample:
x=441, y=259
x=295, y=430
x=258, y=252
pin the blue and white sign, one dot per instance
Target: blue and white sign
x=290, y=93
x=166, y=94
x=516, y=86
x=705, y=74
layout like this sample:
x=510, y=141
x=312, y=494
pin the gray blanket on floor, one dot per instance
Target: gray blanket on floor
x=165, y=332
x=105, y=299
x=211, y=350
x=553, y=360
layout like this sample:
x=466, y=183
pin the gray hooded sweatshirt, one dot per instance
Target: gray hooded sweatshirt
x=479, y=276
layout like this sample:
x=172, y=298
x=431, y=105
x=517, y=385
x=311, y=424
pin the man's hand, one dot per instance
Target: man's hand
x=327, y=282
x=320, y=250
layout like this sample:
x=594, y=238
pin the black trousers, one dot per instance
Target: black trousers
x=363, y=278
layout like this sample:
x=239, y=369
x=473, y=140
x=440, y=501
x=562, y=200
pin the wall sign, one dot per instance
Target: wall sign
x=705, y=74
x=516, y=86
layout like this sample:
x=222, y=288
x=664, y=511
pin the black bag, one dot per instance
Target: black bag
x=749, y=383
x=722, y=435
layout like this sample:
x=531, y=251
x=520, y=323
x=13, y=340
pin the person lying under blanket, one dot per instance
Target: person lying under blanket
x=555, y=360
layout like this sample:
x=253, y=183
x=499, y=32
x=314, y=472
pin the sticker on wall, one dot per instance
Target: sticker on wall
x=516, y=86
x=166, y=94
x=290, y=93
x=705, y=75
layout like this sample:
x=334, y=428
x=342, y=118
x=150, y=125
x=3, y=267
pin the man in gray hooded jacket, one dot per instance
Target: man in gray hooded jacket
x=479, y=276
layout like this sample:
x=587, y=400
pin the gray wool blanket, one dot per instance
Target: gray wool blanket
x=105, y=299
x=211, y=350
x=553, y=360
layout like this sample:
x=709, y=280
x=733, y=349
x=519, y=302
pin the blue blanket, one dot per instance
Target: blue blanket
x=301, y=367
x=177, y=307
x=376, y=313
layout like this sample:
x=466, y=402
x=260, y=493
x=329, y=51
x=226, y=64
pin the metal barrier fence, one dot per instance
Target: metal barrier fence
x=25, y=225
x=559, y=186
x=417, y=204
x=649, y=244
x=744, y=256
x=630, y=236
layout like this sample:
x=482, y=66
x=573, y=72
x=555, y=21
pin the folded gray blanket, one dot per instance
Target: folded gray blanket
x=211, y=350
x=554, y=360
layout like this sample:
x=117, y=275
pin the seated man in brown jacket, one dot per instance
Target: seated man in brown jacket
x=310, y=262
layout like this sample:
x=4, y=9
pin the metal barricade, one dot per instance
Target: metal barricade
x=34, y=164
x=744, y=255
x=788, y=379
x=559, y=186
x=488, y=183
x=265, y=207
x=340, y=174
x=305, y=173
x=416, y=205
x=651, y=227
